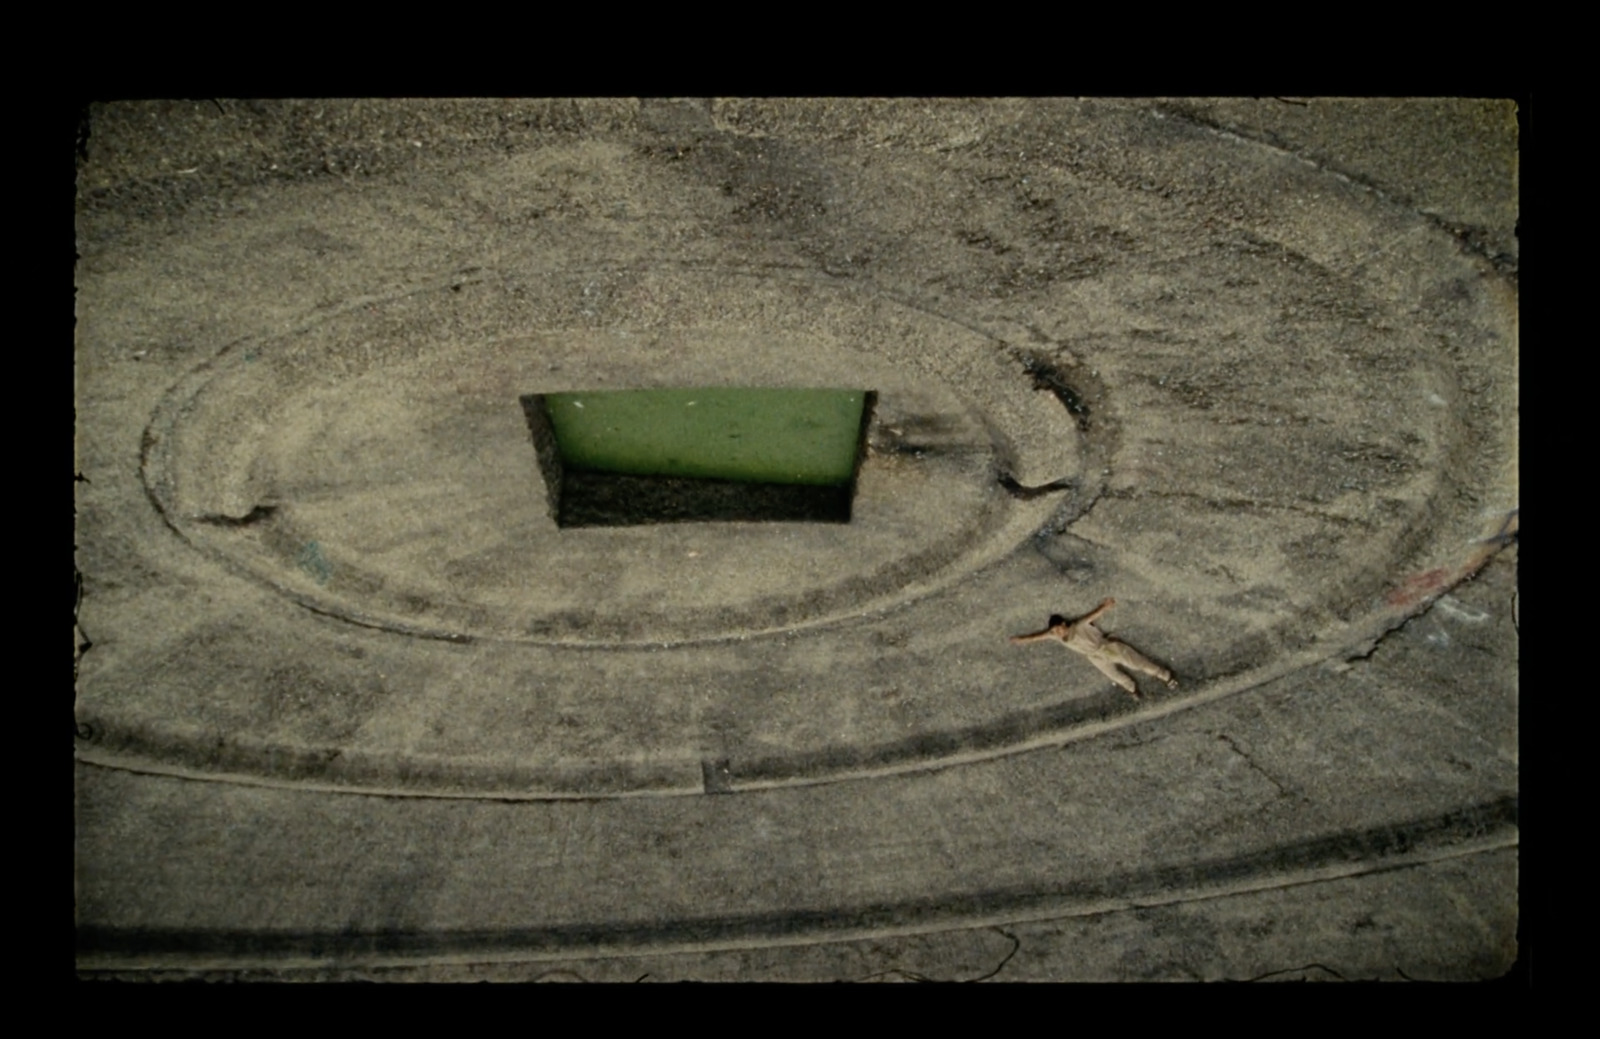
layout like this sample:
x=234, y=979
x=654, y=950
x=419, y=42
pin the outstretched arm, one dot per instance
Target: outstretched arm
x=1038, y=636
x=1105, y=604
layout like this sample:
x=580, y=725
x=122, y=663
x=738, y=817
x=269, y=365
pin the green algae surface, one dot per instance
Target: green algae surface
x=792, y=436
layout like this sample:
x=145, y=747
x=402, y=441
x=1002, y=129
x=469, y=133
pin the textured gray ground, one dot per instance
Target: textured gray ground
x=354, y=707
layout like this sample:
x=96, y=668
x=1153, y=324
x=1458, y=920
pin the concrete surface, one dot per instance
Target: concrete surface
x=351, y=705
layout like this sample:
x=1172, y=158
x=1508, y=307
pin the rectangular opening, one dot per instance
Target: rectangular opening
x=622, y=457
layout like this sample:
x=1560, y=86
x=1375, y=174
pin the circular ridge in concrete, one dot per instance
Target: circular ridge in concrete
x=376, y=465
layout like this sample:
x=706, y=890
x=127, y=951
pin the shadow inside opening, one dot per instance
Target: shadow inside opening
x=580, y=496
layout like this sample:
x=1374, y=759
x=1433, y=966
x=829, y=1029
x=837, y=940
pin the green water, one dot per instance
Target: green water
x=795, y=436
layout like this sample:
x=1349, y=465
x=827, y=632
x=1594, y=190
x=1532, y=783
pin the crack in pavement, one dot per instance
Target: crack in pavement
x=1365, y=656
x=1315, y=966
x=1016, y=944
x=82, y=643
x=1488, y=549
x=1294, y=970
x=1224, y=737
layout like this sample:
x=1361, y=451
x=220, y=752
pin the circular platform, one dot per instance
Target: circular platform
x=385, y=473
x=1267, y=410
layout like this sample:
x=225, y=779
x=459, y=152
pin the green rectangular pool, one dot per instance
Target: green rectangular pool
x=700, y=453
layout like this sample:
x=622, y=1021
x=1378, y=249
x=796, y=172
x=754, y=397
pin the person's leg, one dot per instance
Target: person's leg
x=1109, y=669
x=1129, y=657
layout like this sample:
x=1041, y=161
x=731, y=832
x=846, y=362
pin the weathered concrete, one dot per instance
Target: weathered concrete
x=354, y=703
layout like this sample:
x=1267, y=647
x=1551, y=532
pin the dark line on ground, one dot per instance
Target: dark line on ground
x=1469, y=237
x=1018, y=491
x=1371, y=847
x=255, y=515
x=1294, y=970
